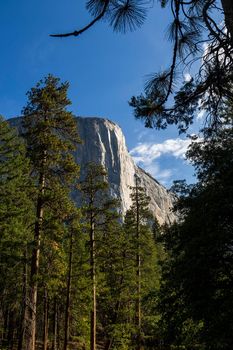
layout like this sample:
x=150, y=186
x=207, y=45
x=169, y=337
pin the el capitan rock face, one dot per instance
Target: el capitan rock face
x=104, y=143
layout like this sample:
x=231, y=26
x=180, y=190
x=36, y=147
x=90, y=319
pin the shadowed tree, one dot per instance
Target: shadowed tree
x=196, y=294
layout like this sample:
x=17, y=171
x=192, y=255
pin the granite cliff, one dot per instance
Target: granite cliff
x=104, y=143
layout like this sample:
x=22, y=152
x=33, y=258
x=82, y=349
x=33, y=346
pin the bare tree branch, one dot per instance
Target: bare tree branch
x=82, y=30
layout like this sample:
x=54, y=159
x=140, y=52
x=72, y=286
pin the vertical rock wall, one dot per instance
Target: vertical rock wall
x=104, y=143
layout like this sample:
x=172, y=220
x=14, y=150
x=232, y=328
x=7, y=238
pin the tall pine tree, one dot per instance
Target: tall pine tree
x=96, y=206
x=51, y=134
x=136, y=223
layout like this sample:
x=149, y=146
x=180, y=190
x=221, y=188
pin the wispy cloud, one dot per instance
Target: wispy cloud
x=142, y=134
x=146, y=153
x=162, y=175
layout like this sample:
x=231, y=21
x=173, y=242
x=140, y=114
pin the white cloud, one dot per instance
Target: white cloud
x=159, y=174
x=146, y=153
x=187, y=77
x=200, y=114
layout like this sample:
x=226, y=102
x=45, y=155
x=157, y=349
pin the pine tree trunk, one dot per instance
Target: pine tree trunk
x=109, y=342
x=24, y=303
x=68, y=288
x=58, y=328
x=138, y=271
x=11, y=330
x=45, y=330
x=54, y=346
x=93, y=280
x=31, y=331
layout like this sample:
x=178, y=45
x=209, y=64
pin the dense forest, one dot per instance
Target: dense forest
x=196, y=282
x=71, y=278
x=86, y=278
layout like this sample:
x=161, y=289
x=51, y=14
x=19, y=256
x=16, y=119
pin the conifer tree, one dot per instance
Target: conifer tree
x=73, y=228
x=68, y=287
x=15, y=218
x=54, y=267
x=115, y=299
x=196, y=294
x=96, y=205
x=51, y=135
x=136, y=222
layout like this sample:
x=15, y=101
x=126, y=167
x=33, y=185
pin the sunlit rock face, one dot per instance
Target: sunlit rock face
x=104, y=143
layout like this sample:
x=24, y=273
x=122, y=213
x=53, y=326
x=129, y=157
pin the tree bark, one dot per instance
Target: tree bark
x=54, y=346
x=24, y=304
x=68, y=288
x=93, y=279
x=45, y=330
x=31, y=331
x=58, y=327
x=138, y=270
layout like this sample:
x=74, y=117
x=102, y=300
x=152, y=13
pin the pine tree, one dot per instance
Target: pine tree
x=15, y=219
x=96, y=205
x=51, y=135
x=54, y=265
x=115, y=298
x=119, y=298
x=136, y=223
x=196, y=294
x=73, y=228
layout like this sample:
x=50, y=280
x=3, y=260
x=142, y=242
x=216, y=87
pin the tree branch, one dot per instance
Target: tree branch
x=78, y=32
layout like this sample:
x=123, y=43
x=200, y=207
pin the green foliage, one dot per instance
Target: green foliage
x=144, y=257
x=14, y=178
x=70, y=245
x=16, y=216
x=197, y=278
x=116, y=311
x=98, y=216
x=51, y=135
x=50, y=131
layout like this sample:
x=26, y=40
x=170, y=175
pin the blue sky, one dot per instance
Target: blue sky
x=104, y=70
